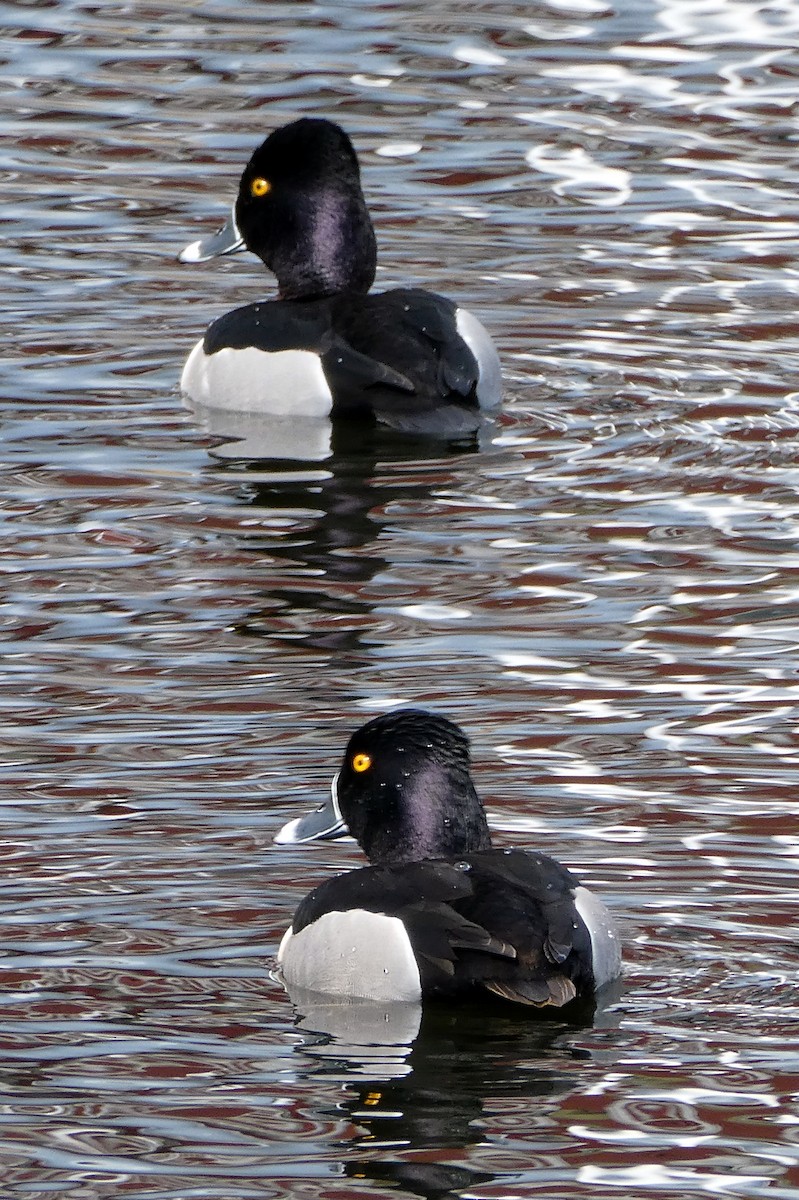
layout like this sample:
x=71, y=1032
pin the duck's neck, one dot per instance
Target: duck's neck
x=333, y=250
x=427, y=823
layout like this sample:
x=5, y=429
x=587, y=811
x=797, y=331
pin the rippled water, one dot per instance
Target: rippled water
x=604, y=593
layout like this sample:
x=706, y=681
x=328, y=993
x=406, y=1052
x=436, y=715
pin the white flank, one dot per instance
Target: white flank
x=355, y=953
x=605, y=940
x=478, y=339
x=284, y=383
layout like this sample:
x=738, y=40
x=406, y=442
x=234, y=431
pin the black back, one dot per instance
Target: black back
x=395, y=356
x=498, y=920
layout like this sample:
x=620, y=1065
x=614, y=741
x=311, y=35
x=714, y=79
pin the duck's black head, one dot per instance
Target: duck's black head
x=300, y=208
x=405, y=792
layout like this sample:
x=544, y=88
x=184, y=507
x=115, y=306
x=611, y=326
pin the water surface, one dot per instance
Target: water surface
x=604, y=593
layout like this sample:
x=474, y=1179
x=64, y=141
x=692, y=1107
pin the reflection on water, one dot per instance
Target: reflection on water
x=320, y=529
x=603, y=592
x=417, y=1082
x=250, y=436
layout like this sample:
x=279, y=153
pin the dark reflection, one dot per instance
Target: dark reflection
x=318, y=480
x=265, y=438
x=423, y=1080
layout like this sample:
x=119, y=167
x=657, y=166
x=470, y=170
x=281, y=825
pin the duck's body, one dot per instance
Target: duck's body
x=441, y=912
x=331, y=356
x=328, y=346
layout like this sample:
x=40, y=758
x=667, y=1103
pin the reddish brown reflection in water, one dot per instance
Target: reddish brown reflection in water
x=604, y=594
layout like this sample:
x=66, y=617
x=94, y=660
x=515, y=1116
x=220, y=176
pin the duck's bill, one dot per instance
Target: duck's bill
x=323, y=824
x=227, y=241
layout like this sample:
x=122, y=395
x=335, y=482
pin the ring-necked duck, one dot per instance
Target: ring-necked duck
x=407, y=357
x=439, y=912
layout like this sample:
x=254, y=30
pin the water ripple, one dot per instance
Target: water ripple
x=605, y=595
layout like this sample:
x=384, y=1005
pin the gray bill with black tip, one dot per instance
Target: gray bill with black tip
x=227, y=241
x=323, y=824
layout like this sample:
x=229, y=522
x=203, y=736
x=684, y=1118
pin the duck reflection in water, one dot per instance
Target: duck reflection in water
x=322, y=519
x=420, y=1084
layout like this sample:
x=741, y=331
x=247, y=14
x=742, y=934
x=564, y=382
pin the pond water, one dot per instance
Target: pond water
x=605, y=593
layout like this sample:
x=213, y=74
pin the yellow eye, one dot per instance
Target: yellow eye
x=260, y=186
x=361, y=763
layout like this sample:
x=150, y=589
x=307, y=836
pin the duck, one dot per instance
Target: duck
x=327, y=346
x=440, y=913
